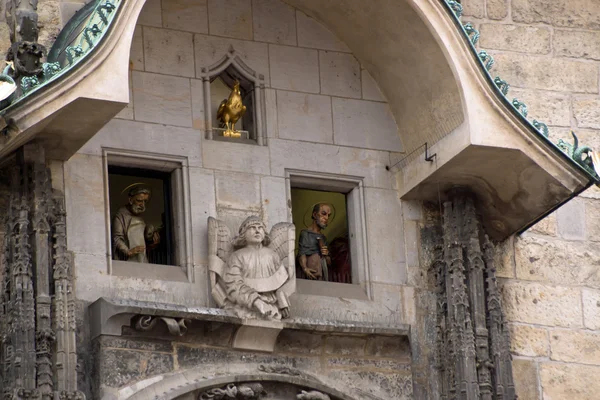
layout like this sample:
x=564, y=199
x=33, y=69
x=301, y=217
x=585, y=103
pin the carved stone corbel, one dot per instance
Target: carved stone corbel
x=176, y=326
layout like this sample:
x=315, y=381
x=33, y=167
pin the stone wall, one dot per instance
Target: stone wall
x=548, y=51
x=314, y=87
x=358, y=365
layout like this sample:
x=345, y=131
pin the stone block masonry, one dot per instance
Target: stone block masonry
x=549, y=52
x=374, y=364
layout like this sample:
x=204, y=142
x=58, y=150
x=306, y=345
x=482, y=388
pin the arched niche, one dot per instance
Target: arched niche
x=230, y=68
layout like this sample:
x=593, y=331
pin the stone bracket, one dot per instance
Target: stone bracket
x=257, y=335
x=108, y=316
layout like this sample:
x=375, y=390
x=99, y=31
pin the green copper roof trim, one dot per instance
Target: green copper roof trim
x=573, y=153
x=99, y=22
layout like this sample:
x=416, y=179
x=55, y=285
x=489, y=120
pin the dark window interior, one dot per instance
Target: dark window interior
x=158, y=209
x=336, y=233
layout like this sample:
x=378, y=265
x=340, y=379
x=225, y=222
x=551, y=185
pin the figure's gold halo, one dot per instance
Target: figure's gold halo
x=126, y=190
x=308, y=214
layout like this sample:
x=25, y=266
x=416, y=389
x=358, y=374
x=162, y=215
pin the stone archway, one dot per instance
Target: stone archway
x=272, y=384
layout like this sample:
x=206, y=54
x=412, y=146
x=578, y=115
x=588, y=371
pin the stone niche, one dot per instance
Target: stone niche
x=140, y=360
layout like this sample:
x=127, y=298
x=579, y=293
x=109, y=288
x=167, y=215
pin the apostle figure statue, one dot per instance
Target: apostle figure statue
x=313, y=253
x=253, y=274
x=130, y=233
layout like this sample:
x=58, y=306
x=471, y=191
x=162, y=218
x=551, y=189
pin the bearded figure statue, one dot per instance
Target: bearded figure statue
x=252, y=274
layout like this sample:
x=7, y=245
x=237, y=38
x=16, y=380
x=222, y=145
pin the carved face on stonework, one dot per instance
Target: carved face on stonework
x=321, y=215
x=138, y=202
x=255, y=233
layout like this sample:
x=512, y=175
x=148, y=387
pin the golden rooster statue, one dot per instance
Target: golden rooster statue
x=230, y=111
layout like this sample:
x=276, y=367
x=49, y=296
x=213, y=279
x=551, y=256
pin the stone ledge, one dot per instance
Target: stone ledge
x=108, y=316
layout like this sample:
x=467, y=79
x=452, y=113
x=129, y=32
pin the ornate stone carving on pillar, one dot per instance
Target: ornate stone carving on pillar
x=473, y=345
x=38, y=353
x=25, y=51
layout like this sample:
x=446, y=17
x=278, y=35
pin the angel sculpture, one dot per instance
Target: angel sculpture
x=253, y=274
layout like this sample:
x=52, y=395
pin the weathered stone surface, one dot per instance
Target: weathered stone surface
x=535, y=303
x=370, y=88
x=559, y=262
x=497, y=9
x=547, y=73
x=569, y=381
x=547, y=226
x=185, y=15
x=333, y=159
x=340, y=74
x=577, y=44
x=365, y=124
x=136, y=54
x=525, y=373
x=198, y=117
x=592, y=209
x=151, y=14
x=575, y=346
x=294, y=68
x=528, y=341
x=526, y=39
x=161, y=45
x=135, y=343
x=237, y=190
x=230, y=19
x=303, y=116
x=474, y=8
x=386, y=244
x=504, y=259
x=345, y=345
x=384, y=385
x=563, y=13
x=551, y=108
x=383, y=346
x=84, y=177
x=274, y=22
x=313, y=34
x=162, y=99
x=190, y=356
x=587, y=113
x=235, y=157
x=570, y=220
x=591, y=308
x=49, y=22
x=119, y=367
x=298, y=342
x=274, y=200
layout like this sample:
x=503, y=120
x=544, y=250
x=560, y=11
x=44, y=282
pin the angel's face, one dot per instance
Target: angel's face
x=255, y=233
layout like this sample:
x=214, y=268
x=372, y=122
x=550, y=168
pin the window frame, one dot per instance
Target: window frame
x=353, y=188
x=178, y=168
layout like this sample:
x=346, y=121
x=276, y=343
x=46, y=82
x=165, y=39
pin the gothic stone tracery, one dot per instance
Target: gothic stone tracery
x=38, y=355
x=473, y=354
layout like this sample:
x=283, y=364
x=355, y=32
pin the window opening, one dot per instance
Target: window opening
x=141, y=216
x=322, y=235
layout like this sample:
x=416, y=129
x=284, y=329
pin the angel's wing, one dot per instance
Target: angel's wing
x=282, y=239
x=219, y=249
x=219, y=239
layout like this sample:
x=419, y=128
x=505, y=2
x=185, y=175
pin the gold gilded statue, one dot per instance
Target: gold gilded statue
x=230, y=111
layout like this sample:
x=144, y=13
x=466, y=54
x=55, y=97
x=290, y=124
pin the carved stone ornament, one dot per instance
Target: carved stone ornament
x=473, y=354
x=253, y=274
x=176, y=326
x=250, y=391
x=312, y=395
x=38, y=351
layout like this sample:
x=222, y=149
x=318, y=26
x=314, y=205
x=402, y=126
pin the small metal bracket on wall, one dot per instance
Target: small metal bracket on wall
x=427, y=156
